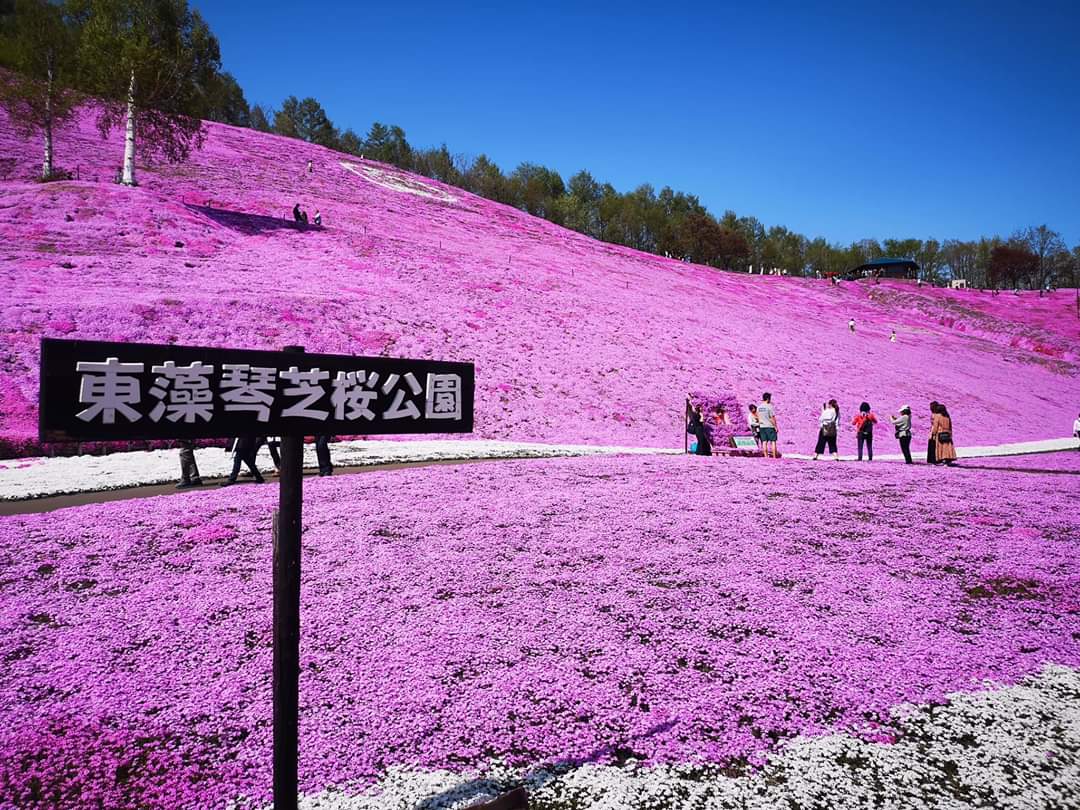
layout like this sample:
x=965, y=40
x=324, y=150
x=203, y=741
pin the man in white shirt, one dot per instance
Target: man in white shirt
x=768, y=431
x=1076, y=430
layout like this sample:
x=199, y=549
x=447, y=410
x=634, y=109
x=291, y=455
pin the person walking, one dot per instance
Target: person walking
x=864, y=423
x=902, y=424
x=851, y=324
x=296, y=213
x=828, y=423
x=273, y=444
x=1076, y=431
x=941, y=433
x=244, y=447
x=189, y=470
x=769, y=429
x=322, y=453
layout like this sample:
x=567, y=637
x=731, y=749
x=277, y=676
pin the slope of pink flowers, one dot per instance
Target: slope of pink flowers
x=574, y=340
x=553, y=611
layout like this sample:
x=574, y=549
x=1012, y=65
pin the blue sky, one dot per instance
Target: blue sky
x=844, y=120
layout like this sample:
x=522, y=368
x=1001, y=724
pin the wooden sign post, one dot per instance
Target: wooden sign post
x=99, y=391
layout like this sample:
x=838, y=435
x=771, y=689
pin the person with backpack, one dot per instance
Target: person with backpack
x=902, y=425
x=864, y=423
x=828, y=422
x=942, y=437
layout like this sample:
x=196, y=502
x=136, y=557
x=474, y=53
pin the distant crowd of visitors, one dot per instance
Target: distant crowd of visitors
x=761, y=417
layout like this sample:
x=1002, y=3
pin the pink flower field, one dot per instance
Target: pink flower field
x=555, y=616
x=568, y=611
x=574, y=340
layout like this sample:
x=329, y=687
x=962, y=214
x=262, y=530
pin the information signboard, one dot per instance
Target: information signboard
x=117, y=391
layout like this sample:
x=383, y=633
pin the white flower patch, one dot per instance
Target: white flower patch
x=1012, y=747
x=21, y=480
x=396, y=182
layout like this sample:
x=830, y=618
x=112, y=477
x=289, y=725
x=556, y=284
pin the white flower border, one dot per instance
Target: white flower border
x=1010, y=747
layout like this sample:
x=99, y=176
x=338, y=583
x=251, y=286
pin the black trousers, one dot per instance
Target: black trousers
x=905, y=448
x=275, y=456
x=931, y=452
x=823, y=441
x=867, y=440
x=189, y=470
x=322, y=453
x=246, y=455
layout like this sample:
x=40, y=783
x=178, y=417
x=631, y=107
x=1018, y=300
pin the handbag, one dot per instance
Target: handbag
x=945, y=437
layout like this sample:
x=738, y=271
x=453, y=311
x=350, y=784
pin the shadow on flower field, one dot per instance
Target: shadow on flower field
x=598, y=611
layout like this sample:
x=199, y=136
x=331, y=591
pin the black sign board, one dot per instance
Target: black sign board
x=116, y=391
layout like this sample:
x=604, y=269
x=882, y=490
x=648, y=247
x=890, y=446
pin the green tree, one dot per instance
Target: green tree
x=1047, y=245
x=306, y=120
x=260, y=120
x=438, y=164
x=535, y=188
x=931, y=262
x=482, y=176
x=350, y=142
x=961, y=259
x=226, y=103
x=151, y=62
x=388, y=145
x=38, y=41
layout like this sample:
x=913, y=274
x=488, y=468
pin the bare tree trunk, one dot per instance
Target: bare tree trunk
x=129, y=136
x=47, y=162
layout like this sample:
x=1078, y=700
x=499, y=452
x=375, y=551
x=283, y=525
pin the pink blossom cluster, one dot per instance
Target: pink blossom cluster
x=676, y=609
x=574, y=340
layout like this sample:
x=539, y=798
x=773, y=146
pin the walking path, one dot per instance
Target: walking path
x=986, y=451
x=23, y=479
x=33, y=478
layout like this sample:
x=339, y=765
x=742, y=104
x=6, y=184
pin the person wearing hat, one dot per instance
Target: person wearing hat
x=902, y=424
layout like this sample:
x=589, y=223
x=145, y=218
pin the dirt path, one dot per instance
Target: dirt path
x=50, y=503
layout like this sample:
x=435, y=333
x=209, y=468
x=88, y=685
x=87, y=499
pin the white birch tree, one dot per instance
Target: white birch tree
x=38, y=44
x=153, y=63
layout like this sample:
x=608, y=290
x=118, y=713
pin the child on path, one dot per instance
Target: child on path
x=769, y=430
x=755, y=424
x=864, y=428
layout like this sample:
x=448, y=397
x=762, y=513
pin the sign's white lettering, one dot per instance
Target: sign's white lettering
x=109, y=387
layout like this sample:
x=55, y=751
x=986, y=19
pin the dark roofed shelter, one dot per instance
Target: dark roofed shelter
x=884, y=268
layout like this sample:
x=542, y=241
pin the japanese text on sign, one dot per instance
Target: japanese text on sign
x=129, y=390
